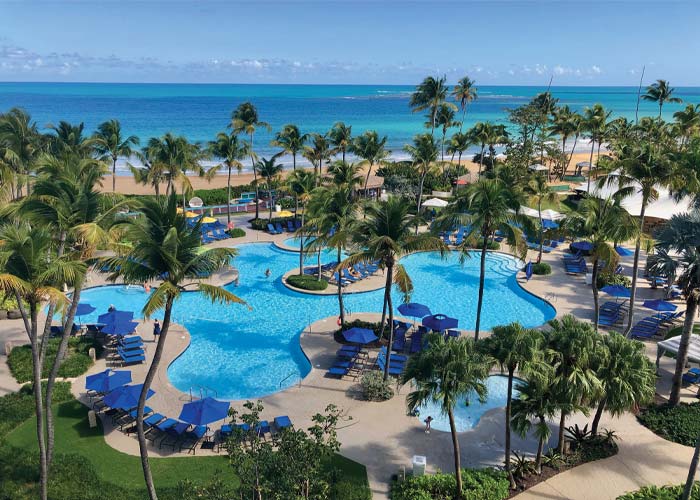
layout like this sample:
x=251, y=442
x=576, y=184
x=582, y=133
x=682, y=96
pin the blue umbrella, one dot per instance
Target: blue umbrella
x=84, y=309
x=528, y=271
x=414, y=310
x=358, y=335
x=440, y=322
x=120, y=328
x=660, y=305
x=616, y=291
x=204, y=411
x=549, y=224
x=107, y=380
x=113, y=316
x=126, y=396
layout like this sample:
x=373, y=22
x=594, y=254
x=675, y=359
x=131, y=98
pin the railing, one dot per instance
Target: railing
x=203, y=391
x=550, y=297
x=287, y=378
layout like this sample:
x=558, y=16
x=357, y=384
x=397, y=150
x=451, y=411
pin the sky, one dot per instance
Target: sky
x=525, y=42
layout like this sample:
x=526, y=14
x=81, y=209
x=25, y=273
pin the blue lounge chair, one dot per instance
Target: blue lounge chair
x=271, y=229
x=399, y=343
x=453, y=334
x=263, y=428
x=278, y=227
x=446, y=239
x=131, y=358
x=692, y=376
x=158, y=430
x=283, y=422
x=192, y=438
x=297, y=223
x=174, y=434
x=393, y=369
x=349, y=277
x=394, y=357
x=343, y=281
x=290, y=226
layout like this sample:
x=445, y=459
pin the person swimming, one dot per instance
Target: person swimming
x=268, y=272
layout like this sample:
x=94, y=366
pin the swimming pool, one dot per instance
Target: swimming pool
x=468, y=416
x=246, y=354
x=294, y=242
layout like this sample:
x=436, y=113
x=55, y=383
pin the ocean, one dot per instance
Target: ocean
x=200, y=111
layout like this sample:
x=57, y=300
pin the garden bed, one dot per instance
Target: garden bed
x=76, y=362
x=679, y=424
x=661, y=493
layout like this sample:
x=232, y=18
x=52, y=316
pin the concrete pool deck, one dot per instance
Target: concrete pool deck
x=384, y=438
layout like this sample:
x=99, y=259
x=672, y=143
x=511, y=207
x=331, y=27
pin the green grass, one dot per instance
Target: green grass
x=306, y=282
x=680, y=424
x=661, y=493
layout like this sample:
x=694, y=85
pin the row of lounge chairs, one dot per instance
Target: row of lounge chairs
x=397, y=363
x=655, y=325
x=575, y=264
x=262, y=429
x=127, y=351
x=215, y=235
x=459, y=236
x=361, y=270
x=291, y=225
x=350, y=362
x=611, y=313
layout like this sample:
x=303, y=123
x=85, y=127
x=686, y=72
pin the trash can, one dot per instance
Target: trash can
x=419, y=462
x=589, y=278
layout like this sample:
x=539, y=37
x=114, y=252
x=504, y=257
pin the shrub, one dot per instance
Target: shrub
x=350, y=491
x=74, y=364
x=605, y=279
x=541, y=268
x=680, y=424
x=479, y=484
x=306, y=282
x=492, y=245
x=236, y=232
x=261, y=223
x=374, y=387
x=358, y=323
x=661, y=493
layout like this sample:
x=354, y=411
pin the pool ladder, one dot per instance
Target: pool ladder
x=550, y=297
x=279, y=386
x=203, y=391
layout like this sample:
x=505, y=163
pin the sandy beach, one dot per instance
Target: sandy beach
x=126, y=184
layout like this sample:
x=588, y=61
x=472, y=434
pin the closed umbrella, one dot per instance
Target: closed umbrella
x=204, y=411
x=660, y=305
x=126, y=396
x=358, y=335
x=528, y=271
x=107, y=380
x=440, y=322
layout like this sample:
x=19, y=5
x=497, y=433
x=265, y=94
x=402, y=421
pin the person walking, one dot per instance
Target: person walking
x=156, y=329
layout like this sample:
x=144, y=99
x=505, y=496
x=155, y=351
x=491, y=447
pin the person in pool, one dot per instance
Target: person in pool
x=268, y=272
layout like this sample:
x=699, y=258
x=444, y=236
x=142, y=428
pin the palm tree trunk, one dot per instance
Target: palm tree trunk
x=318, y=263
x=481, y=159
x=296, y=195
x=38, y=400
x=442, y=145
x=539, y=211
x=590, y=164
x=340, y=299
x=594, y=284
x=635, y=269
x=688, y=488
x=457, y=457
x=571, y=155
x=387, y=292
x=563, y=156
x=369, y=171
x=228, y=197
x=114, y=175
x=509, y=472
x=598, y=415
x=150, y=486
x=482, y=277
x=255, y=178
x=540, y=448
x=420, y=193
x=381, y=336
x=301, y=247
x=682, y=355
x=562, y=427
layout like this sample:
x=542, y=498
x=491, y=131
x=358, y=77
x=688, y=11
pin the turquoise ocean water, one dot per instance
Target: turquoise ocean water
x=200, y=111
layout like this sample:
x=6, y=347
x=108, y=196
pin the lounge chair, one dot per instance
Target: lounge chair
x=453, y=334
x=192, y=437
x=343, y=281
x=271, y=229
x=350, y=277
x=262, y=428
x=297, y=223
x=132, y=357
x=290, y=226
x=393, y=369
x=692, y=376
x=399, y=343
x=129, y=417
x=283, y=422
x=220, y=234
x=158, y=430
x=394, y=357
x=278, y=227
x=225, y=432
x=174, y=435
x=446, y=239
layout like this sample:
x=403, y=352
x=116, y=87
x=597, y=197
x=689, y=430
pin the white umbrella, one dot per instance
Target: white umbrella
x=501, y=156
x=585, y=164
x=435, y=202
x=550, y=214
x=538, y=167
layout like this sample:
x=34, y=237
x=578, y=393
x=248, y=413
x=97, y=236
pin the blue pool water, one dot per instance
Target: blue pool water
x=467, y=416
x=294, y=242
x=245, y=354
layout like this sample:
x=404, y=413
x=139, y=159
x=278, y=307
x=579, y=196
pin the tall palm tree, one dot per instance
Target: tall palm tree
x=31, y=272
x=688, y=122
x=514, y=348
x=20, y=145
x=165, y=247
x=445, y=119
x=594, y=121
x=340, y=137
x=626, y=374
x=230, y=150
x=464, y=92
x=292, y=142
x=459, y=143
x=484, y=207
x=245, y=120
x=110, y=144
x=681, y=235
x=444, y=373
x=660, y=92
x=318, y=151
x=345, y=174
x=68, y=139
x=371, y=150
x=690, y=480
x=604, y=222
x=423, y=152
x=302, y=183
x=178, y=156
x=495, y=135
x=429, y=95
x=537, y=189
x=565, y=123
x=384, y=235
x=270, y=171
x=479, y=134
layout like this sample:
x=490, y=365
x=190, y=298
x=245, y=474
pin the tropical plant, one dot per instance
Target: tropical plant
x=423, y=153
x=429, y=95
x=302, y=183
x=537, y=189
x=110, y=144
x=67, y=139
x=464, y=92
x=165, y=248
x=371, y=150
x=340, y=137
x=445, y=118
x=565, y=123
x=292, y=142
x=458, y=144
x=688, y=122
x=660, y=92
x=384, y=236
x=345, y=174
x=230, y=150
x=20, y=147
x=479, y=134
x=484, y=208
x=593, y=123
x=244, y=119
x=447, y=372
x=514, y=348
x=317, y=152
x=270, y=171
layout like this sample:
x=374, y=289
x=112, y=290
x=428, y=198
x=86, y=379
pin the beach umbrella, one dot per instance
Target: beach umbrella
x=113, y=316
x=209, y=220
x=204, y=411
x=191, y=215
x=538, y=167
x=414, y=310
x=126, y=396
x=550, y=214
x=120, y=328
x=616, y=291
x=549, y=224
x=660, y=305
x=358, y=335
x=528, y=271
x=440, y=322
x=284, y=213
x=83, y=309
x=107, y=380
x=435, y=202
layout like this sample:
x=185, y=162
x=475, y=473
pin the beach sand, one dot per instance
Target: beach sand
x=127, y=185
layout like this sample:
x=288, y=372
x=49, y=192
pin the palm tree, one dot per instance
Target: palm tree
x=165, y=247
x=484, y=207
x=110, y=144
x=302, y=183
x=292, y=141
x=574, y=345
x=69, y=140
x=464, y=92
x=270, y=171
x=345, y=174
x=495, y=135
x=514, y=348
x=660, y=93
x=423, y=153
x=603, y=222
x=538, y=191
x=177, y=155
x=688, y=122
x=459, y=143
x=31, y=272
x=384, y=235
x=626, y=374
x=340, y=137
x=445, y=118
x=594, y=121
x=370, y=149
x=479, y=134
x=245, y=120
x=429, y=95
x=231, y=150
x=444, y=373
x=681, y=235
x=20, y=145
x=565, y=123
x=318, y=151
x=690, y=480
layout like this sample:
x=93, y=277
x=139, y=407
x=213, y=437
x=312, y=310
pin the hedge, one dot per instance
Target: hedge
x=236, y=232
x=76, y=362
x=661, y=493
x=680, y=424
x=261, y=223
x=605, y=279
x=541, y=268
x=478, y=484
x=307, y=282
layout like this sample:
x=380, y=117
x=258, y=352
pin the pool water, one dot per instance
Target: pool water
x=468, y=416
x=241, y=353
x=294, y=242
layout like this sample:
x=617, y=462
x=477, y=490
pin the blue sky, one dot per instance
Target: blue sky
x=584, y=42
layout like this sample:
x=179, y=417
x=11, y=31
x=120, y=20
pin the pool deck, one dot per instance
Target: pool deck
x=384, y=438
